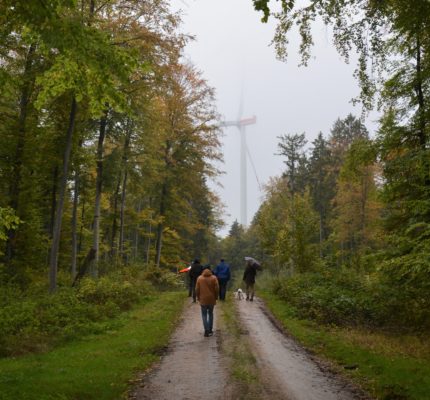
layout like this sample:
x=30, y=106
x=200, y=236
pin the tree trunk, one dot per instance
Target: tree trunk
x=53, y=262
x=53, y=207
x=420, y=96
x=363, y=204
x=321, y=235
x=160, y=227
x=75, y=225
x=136, y=243
x=114, y=223
x=136, y=233
x=99, y=184
x=53, y=201
x=422, y=120
x=121, y=217
x=85, y=264
x=15, y=182
x=148, y=243
x=81, y=231
x=124, y=189
x=160, y=224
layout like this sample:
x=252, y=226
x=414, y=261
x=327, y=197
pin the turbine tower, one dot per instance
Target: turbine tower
x=241, y=124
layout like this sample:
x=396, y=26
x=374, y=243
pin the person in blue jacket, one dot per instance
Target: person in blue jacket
x=222, y=272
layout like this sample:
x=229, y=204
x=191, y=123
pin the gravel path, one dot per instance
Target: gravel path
x=287, y=368
x=193, y=367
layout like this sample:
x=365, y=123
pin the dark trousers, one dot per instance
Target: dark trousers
x=208, y=317
x=222, y=288
x=249, y=290
x=192, y=288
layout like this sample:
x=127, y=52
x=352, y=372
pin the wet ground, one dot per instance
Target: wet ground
x=194, y=367
x=285, y=367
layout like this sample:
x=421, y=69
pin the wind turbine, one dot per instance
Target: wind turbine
x=241, y=124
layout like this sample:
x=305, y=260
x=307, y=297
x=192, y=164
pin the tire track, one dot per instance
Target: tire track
x=286, y=367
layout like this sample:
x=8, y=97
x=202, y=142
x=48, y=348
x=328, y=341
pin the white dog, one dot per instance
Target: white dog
x=239, y=294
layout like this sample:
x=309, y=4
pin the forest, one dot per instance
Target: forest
x=109, y=138
x=346, y=228
x=107, y=134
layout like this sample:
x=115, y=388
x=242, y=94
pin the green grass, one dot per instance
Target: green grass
x=388, y=367
x=237, y=348
x=97, y=366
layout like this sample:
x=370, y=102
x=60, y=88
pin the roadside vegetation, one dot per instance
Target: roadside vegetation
x=101, y=365
x=35, y=321
x=237, y=349
x=386, y=365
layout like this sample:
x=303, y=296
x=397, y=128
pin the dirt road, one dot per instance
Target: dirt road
x=194, y=367
x=286, y=367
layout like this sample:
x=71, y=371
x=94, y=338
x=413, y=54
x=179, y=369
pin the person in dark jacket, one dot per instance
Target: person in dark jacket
x=194, y=272
x=222, y=272
x=249, y=278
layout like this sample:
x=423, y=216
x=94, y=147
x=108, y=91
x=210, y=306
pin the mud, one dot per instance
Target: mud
x=192, y=368
x=285, y=367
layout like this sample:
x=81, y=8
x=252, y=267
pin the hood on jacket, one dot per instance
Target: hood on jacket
x=207, y=272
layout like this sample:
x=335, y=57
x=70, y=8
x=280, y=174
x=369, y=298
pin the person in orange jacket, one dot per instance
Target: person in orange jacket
x=207, y=291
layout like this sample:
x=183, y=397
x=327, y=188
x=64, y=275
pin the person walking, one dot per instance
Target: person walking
x=249, y=278
x=194, y=272
x=222, y=272
x=207, y=290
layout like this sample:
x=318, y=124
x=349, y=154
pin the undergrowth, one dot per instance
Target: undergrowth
x=388, y=365
x=96, y=367
x=344, y=297
x=33, y=320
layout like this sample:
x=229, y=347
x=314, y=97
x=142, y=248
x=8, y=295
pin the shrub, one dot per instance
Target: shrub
x=343, y=297
x=99, y=292
x=31, y=321
x=162, y=278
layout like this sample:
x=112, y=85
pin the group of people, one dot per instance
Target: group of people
x=206, y=287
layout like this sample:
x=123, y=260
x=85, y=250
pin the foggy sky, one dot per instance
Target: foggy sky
x=232, y=50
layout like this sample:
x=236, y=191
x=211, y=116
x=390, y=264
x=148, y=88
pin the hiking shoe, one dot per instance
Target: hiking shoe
x=251, y=299
x=206, y=334
x=210, y=333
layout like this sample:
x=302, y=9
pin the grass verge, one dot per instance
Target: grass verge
x=97, y=366
x=236, y=347
x=389, y=368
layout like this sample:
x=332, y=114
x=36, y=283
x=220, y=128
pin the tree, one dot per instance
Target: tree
x=189, y=143
x=322, y=184
x=83, y=147
x=292, y=148
x=233, y=247
x=289, y=228
x=357, y=209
